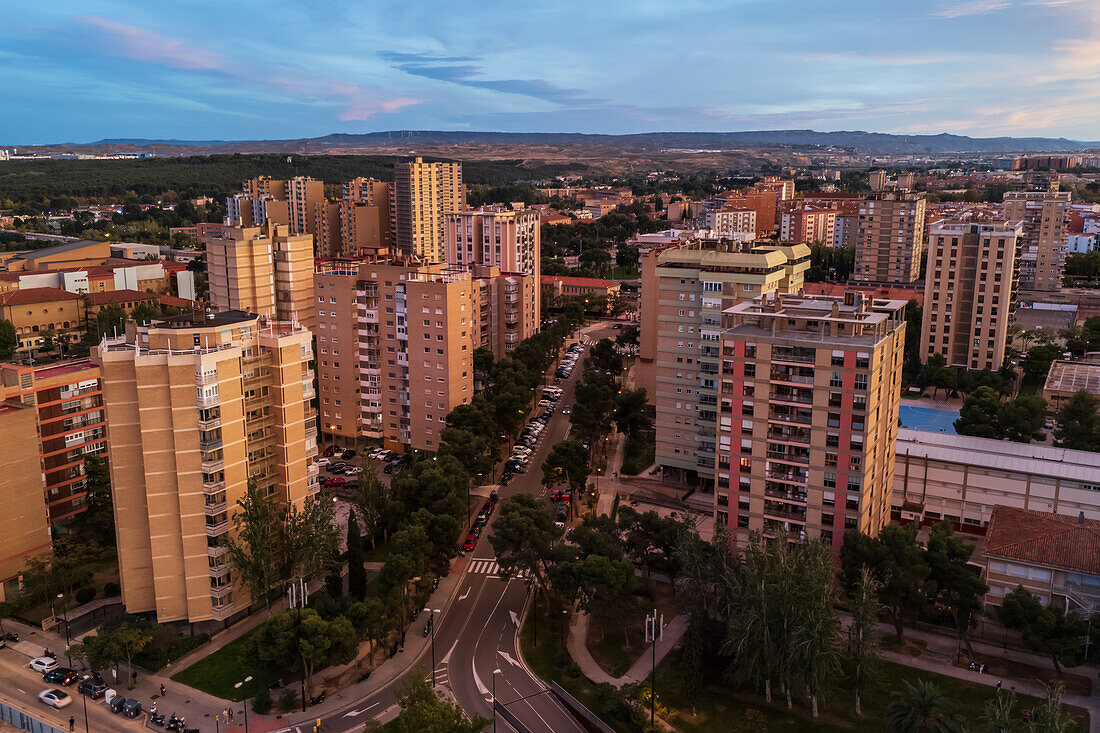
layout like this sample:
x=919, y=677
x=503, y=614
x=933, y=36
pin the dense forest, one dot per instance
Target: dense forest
x=34, y=184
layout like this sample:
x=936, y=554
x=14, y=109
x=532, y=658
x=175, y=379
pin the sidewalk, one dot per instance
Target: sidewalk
x=643, y=665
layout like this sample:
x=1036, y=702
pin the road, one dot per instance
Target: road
x=479, y=632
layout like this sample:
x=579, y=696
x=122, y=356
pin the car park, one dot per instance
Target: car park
x=471, y=542
x=55, y=698
x=333, y=482
x=93, y=686
x=42, y=665
x=389, y=468
x=61, y=676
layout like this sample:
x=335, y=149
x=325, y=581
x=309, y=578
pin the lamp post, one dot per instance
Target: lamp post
x=238, y=686
x=65, y=617
x=495, y=673
x=431, y=620
x=87, y=729
x=654, y=630
x=564, y=622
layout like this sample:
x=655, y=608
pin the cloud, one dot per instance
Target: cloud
x=360, y=104
x=971, y=7
x=459, y=70
x=143, y=44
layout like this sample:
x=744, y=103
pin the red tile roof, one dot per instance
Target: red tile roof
x=118, y=296
x=35, y=295
x=1045, y=539
x=582, y=282
x=174, y=302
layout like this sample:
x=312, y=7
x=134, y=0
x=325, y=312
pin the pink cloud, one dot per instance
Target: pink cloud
x=143, y=44
x=358, y=103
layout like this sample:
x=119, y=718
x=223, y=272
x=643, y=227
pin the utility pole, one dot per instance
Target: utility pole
x=654, y=630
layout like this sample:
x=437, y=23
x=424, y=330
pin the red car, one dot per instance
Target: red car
x=489, y=506
x=328, y=483
x=471, y=542
x=329, y=452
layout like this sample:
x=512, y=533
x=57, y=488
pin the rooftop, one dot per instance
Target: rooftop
x=117, y=296
x=1044, y=539
x=59, y=249
x=205, y=320
x=36, y=295
x=1074, y=376
x=584, y=282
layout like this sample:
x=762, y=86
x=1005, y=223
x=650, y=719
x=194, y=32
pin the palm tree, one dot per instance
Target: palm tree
x=919, y=708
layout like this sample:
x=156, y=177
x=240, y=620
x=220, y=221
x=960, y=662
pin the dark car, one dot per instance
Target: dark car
x=480, y=520
x=93, y=687
x=131, y=708
x=494, y=495
x=488, y=507
x=336, y=467
x=470, y=543
x=349, y=453
x=389, y=468
x=563, y=512
x=61, y=676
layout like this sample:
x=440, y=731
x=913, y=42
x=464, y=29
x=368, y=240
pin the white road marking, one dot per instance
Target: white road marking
x=355, y=713
x=465, y=595
x=508, y=658
x=515, y=617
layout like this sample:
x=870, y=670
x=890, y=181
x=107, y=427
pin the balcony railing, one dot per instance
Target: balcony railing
x=212, y=466
x=782, y=511
x=214, y=530
x=206, y=377
x=207, y=400
x=208, y=445
x=794, y=419
x=788, y=457
x=776, y=493
x=213, y=488
x=213, y=510
x=214, y=422
x=791, y=477
x=790, y=436
x=800, y=399
x=221, y=591
x=791, y=378
x=792, y=357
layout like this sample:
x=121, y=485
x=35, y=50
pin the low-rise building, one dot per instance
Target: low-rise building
x=38, y=311
x=562, y=286
x=1068, y=377
x=1055, y=557
x=733, y=220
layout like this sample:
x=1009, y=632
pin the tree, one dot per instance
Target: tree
x=628, y=336
x=1079, y=423
x=9, y=339
x=370, y=499
x=96, y=524
x=569, y=460
x=408, y=559
x=896, y=560
x=49, y=341
x=110, y=321
x=1022, y=419
x=372, y=619
x=630, y=416
x=815, y=626
x=959, y=589
x=602, y=587
x=309, y=543
x=1050, y=717
x=651, y=540
x=522, y=538
x=751, y=629
x=1000, y=714
x=919, y=707
x=357, y=571
x=253, y=547
x=144, y=313
x=1036, y=362
x=979, y=414
x=862, y=650
x=423, y=712
x=302, y=639
x=1045, y=629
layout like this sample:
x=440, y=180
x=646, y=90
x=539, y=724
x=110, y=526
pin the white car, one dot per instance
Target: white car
x=42, y=665
x=376, y=453
x=55, y=698
x=352, y=471
x=565, y=410
x=323, y=461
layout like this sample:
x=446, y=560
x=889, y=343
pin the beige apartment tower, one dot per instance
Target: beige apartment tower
x=421, y=196
x=24, y=528
x=196, y=408
x=365, y=218
x=1045, y=216
x=507, y=308
x=890, y=239
x=808, y=413
x=262, y=270
x=970, y=292
x=395, y=343
x=685, y=289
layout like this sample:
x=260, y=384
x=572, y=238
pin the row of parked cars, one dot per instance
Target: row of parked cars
x=569, y=361
x=90, y=685
x=480, y=522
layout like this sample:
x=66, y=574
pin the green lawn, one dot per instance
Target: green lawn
x=721, y=705
x=218, y=672
x=639, y=454
x=623, y=273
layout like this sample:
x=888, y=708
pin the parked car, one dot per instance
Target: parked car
x=471, y=542
x=617, y=327
x=349, y=453
x=565, y=411
x=61, y=676
x=389, y=468
x=352, y=470
x=42, y=665
x=376, y=452
x=384, y=455
x=488, y=506
x=131, y=708
x=55, y=698
x=92, y=686
x=494, y=495
x=329, y=452
x=338, y=466
x=323, y=461
x=480, y=520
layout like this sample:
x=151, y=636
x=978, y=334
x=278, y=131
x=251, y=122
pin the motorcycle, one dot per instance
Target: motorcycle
x=176, y=724
x=317, y=699
x=157, y=720
x=11, y=636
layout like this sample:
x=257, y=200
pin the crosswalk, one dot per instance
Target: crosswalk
x=491, y=568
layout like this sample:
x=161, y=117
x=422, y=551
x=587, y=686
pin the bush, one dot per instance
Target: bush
x=85, y=594
x=110, y=590
x=288, y=700
x=261, y=704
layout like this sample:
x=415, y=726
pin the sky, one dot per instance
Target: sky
x=85, y=70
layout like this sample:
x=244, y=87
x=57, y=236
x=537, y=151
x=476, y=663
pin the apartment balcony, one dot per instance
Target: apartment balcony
x=213, y=510
x=791, y=418
x=372, y=407
x=788, y=456
x=312, y=451
x=203, y=378
x=210, y=424
x=369, y=316
x=221, y=591
x=311, y=413
x=210, y=489
x=308, y=375
x=205, y=401
x=311, y=432
x=218, y=551
x=792, y=397
x=212, y=466
x=781, y=492
x=789, y=435
x=403, y=359
x=367, y=290
x=777, y=528
x=511, y=338
x=790, y=477
x=790, y=377
x=308, y=392
x=794, y=355
x=785, y=511
x=313, y=470
x=216, y=530
x=208, y=445
x=216, y=571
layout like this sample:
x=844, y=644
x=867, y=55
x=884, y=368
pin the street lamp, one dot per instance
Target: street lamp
x=654, y=630
x=68, y=656
x=564, y=622
x=495, y=673
x=431, y=620
x=238, y=686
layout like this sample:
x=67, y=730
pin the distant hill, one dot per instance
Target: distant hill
x=856, y=141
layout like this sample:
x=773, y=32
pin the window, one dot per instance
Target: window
x=861, y=381
x=829, y=480
x=836, y=379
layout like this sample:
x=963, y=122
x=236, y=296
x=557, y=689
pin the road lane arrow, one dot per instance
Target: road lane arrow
x=508, y=658
x=515, y=617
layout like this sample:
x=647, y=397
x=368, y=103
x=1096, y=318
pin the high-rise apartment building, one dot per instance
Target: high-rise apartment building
x=365, y=218
x=731, y=221
x=807, y=419
x=301, y=196
x=262, y=270
x=421, y=196
x=1045, y=215
x=970, y=291
x=325, y=226
x=24, y=526
x=684, y=290
x=498, y=237
x=890, y=238
x=265, y=199
x=395, y=345
x=805, y=223
x=197, y=407
x=507, y=308
x=68, y=405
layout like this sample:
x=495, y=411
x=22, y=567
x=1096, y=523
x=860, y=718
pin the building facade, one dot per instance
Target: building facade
x=685, y=288
x=67, y=398
x=396, y=343
x=507, y=308
x=736, y=221
x=24, y=527
x=890, y=239
x=807, y=418
x=421, y=196
x=970, y=292
x=1045, y=215
x=197, y=407
x=807, y=224
x=35, y=312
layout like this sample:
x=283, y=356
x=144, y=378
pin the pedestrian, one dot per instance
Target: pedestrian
x=72, y=724
x=163, y=690
x=133, y=677
x=998, y=684
x=231, y=713
x=973, y=666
